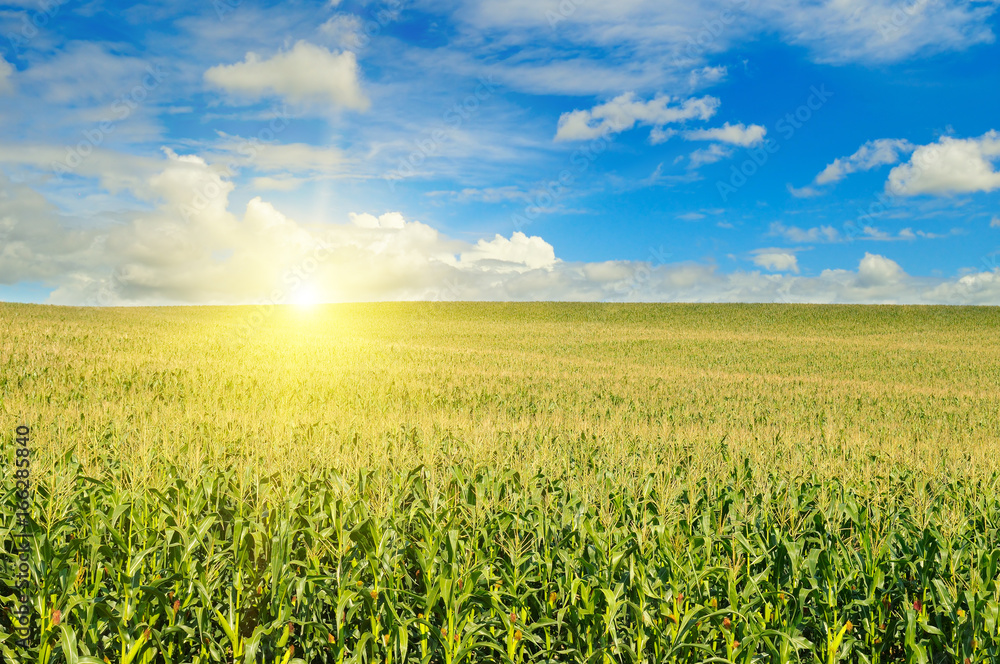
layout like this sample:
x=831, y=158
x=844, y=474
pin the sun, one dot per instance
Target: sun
x=305, y=297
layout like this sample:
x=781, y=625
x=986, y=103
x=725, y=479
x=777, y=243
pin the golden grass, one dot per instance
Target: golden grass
x=838, y=391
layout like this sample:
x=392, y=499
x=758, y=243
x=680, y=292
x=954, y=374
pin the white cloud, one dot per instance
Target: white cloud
x=995, y=222
x=486, y=194
x=659, y=135
x=828, y=234
x=738, y=134
x=706, y=76
x=650, y=44
x=625, y=111
x=34, y=244
x=709, y=155
x=387, y=220
x=871, y=232
x=776, y=260
x=950, y=166
x=342, y=30
x=880, y=30
x=87, y=72
x=910, y=234
x=268, y=183
x=935, y=236
x=520, y=253
x=305, y=74
x=975, y=288
x=188, y=247
x=281, y=157
x=691, y=216
x=870, y=155
x=875, y=270
x=804, y=235
x=78, y=86
x=803, y=192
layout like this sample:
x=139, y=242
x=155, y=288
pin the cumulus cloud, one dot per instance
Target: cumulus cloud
x=190, y=247
x=995, y=222
x=949, y=166
x=34, y=244
x=975, y=288
x=738, y=134
x=625, y=111
x=519, y=253
x=871, y=155
x=307, y=74
x=875, y=270
x=776, y=260
x=659, y=135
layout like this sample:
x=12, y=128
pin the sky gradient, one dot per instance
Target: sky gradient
x=235, y=152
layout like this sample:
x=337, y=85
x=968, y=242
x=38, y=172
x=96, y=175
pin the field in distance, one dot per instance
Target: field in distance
x=470, y=482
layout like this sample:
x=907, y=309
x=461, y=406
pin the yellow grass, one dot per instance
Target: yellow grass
x=838, y=391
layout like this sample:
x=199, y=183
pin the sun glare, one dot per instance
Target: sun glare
x=305, y=297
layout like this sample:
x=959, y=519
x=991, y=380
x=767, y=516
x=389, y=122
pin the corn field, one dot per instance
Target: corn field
x=445, y=483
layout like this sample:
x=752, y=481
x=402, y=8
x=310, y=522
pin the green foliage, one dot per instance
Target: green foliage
x=199, y=573
x=507, y=483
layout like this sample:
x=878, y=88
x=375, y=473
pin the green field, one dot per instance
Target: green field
x=451, y=482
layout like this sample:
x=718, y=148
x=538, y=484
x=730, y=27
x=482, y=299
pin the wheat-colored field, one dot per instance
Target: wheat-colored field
x=445, y=482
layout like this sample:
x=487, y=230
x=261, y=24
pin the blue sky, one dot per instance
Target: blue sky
x=742, y=150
